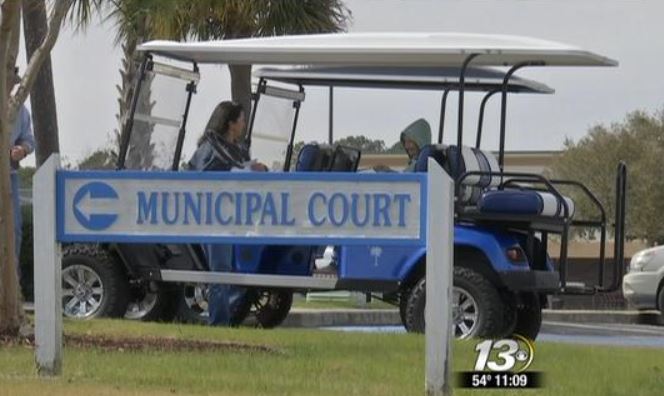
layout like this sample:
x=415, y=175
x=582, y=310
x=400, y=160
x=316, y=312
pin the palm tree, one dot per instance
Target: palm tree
x=141, y=20
x=231, y=19
x=42, y=94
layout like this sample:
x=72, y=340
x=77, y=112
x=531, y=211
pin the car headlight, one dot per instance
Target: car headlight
x=640, y=260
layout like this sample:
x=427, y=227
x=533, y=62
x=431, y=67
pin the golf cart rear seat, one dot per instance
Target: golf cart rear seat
x=483, y=190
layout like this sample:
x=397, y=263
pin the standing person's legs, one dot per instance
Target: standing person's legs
x=219, y=259
x=18, y=220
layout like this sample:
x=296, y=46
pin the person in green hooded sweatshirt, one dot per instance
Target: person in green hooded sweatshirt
x=413, y=138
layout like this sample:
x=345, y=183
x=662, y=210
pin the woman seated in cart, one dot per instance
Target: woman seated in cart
x=221, y=148
x=413, y=138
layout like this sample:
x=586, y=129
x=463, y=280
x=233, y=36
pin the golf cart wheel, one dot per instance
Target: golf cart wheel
x=94, y=284
x=271, y=307
x=192, y=305
x=528, y=316
x=509, y=315
x=150, y=301
x=477, y=307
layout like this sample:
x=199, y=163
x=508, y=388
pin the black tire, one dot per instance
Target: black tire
x=271, y=307
x=660, y=304
x=403, y=305
x=490, y=307
x=528, y=316
x=151, y=301
x=509, y=315
x=192, y=305
x=89, y=270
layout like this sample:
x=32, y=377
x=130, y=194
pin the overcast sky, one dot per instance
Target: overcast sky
x=86, y=66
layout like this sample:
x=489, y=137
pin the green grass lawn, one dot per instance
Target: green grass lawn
x=307, y=362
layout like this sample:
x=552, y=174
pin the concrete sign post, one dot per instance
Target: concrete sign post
x=47, y=270
x=440, y=258
x=311, y=209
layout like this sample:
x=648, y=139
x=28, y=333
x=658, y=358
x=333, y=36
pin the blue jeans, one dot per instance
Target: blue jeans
x=222, y=298
x=18, y=220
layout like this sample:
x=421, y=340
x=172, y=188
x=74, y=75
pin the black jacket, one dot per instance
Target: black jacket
x=216, y=154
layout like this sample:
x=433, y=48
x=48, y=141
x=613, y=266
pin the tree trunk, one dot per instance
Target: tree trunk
x=241, y=86
x=42, y=94
x=11, y=311
x=10, y=308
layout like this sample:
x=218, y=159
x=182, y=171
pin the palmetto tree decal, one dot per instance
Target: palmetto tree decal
x=376, y=252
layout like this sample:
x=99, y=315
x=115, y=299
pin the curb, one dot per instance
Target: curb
x=309, y=318
x=592, y=316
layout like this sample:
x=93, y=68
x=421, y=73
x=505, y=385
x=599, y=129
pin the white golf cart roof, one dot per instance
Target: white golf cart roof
x=401, y=77
x=384, y=49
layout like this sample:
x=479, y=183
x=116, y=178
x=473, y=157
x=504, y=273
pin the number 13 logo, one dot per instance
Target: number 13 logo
x=509, y=353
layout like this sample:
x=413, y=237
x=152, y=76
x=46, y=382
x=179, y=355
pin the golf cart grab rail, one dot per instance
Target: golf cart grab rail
x=573, y=183
x=525, y=176
x=584, y=223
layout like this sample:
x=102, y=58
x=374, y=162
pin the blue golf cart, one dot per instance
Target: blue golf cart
x=504, y=220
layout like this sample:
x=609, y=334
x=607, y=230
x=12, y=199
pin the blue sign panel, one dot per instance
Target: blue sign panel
x=241, y=207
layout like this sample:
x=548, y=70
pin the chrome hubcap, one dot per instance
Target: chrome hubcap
x=465, y=313
x=196, y=298
x=82, y=292
x=142, y=302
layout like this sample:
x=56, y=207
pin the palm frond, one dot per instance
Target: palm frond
x=82, y=12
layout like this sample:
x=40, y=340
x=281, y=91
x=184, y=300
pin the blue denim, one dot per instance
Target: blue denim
x=18, y=220
x=222, y=298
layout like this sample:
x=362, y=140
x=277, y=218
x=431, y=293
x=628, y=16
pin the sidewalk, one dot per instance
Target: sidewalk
x=307, y=318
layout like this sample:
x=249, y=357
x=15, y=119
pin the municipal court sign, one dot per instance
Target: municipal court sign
x=240, y=207
x=231, y=206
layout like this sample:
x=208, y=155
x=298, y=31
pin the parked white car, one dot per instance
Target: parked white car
x=643, y=286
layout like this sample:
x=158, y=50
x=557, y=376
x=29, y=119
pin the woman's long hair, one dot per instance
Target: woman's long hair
x=225, y=113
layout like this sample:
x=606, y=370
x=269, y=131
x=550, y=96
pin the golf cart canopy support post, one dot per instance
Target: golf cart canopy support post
x=443, y=106
x=191, y=89
x=129, y=122
x=503, y=106
x=480, y=120
x=462, y=81
x=261, y=88
x=330, y=130
x=289, y=149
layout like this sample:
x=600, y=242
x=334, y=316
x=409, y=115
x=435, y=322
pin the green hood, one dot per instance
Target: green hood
x=419, y=132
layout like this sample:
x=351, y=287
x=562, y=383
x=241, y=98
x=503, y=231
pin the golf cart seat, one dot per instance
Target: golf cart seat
x=485, y=193
x=524, y=202
x=314, y=157
x=435, y=151
x=345, y=159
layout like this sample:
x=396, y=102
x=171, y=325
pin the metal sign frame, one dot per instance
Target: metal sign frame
x=436, y=230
